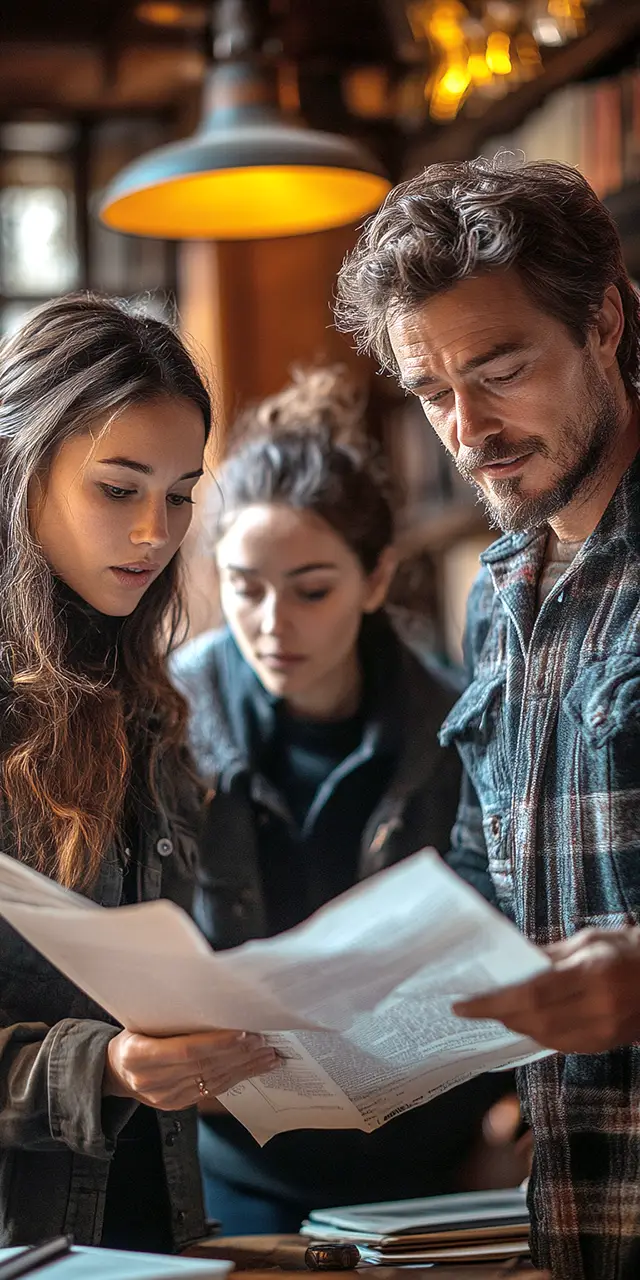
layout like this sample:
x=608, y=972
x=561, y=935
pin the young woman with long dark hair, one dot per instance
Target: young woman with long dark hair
x=103, y=423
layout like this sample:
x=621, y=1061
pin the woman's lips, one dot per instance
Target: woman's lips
x=135, y=580
x=281, y=661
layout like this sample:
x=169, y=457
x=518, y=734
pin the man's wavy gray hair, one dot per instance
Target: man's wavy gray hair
x=454, y=221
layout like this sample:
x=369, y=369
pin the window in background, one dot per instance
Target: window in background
x=51, y=176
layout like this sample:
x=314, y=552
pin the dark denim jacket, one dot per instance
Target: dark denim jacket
x=57, y=1133
x=231, y=717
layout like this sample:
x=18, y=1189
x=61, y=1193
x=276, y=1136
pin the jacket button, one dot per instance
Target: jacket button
x=496, y=825
x=164, y=847
x=170, y=1139
x=239, y=910
x=599, y=716
x=180, y=1216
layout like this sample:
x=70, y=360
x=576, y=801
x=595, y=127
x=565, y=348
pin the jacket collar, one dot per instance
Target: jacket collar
x=515, y=560
x=234, y=718
x=621, y=518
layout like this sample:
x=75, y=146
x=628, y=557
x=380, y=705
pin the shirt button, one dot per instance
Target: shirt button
x=239, y=910
x=171, y=1139
x=496, y=825
x=164, y=847
x=177, y=1124
x=180, y=1216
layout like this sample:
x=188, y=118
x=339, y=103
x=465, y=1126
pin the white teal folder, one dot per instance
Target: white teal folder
x=119, y=1264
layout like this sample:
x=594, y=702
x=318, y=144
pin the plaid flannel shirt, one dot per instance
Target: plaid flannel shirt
x=549, y=733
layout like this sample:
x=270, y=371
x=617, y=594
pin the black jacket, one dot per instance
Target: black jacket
x=58, y=1135
x=232, y=719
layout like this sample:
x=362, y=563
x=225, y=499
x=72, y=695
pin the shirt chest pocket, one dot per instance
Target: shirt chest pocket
x=601, y=721
x=477, y=726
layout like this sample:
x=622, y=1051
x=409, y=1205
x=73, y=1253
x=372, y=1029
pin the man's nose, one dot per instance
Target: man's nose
x=474, y=423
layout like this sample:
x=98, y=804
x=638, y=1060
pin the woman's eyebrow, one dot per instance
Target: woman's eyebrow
x=291, y=573
x=145, y=468
x=310, y=568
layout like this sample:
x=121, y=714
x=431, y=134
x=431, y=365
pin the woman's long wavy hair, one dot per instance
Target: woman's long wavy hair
x=71, y=731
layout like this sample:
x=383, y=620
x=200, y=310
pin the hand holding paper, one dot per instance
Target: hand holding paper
x=587, y=1002
x=357, y=1000
x=164, y=1072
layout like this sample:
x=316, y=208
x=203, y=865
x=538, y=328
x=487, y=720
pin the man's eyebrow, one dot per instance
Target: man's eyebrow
x=144, y=467
x=476, y=362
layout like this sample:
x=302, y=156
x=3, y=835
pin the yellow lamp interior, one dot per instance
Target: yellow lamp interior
x=247, y=204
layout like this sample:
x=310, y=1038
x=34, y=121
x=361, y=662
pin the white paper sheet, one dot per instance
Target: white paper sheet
x=357, y=999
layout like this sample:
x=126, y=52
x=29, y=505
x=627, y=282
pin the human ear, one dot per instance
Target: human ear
x=609, y=326
x=380, y=579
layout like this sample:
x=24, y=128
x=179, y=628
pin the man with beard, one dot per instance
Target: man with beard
x=499, y=297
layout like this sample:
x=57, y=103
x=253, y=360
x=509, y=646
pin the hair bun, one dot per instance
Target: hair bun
x=328, y=403
x=322, y=398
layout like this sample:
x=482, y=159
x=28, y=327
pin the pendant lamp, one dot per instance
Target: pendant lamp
x=250, y=171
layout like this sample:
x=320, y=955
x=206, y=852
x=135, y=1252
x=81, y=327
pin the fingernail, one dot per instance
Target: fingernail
x=252, y=1040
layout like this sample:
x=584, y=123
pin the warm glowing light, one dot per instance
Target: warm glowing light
x=561, y=20
x=444, y=25
x=571, y=9
x=489, y=45
x=455, y=81
x=249, y=203
x=449, y=90
x=498, y=59
x=440, y=21
x=478, y=70
x=162, y=13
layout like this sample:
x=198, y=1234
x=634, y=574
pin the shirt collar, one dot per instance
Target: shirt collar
x=620, y=519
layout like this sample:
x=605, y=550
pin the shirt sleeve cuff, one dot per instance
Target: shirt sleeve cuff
x=78, y=1114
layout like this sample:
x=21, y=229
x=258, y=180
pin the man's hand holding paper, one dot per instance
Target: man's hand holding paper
x=588, y=1002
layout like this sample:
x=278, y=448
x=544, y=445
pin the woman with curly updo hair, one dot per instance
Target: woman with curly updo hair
x=316, y=726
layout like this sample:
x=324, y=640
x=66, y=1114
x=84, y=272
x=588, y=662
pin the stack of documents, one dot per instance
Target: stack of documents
x=357, y=999
x=473, y=1227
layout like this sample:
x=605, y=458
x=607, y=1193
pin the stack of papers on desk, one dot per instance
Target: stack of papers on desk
x=473, y=1226
x=357, y=999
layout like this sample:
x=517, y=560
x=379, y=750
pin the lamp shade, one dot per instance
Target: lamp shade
x=247, y=173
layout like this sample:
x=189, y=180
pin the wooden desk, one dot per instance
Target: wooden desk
x=253, y=1264
x=468, y=1271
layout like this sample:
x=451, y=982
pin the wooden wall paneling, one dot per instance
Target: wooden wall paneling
x=254, y=309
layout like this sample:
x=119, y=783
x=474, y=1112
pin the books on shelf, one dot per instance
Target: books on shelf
x=593, y=125
x=469, y=1226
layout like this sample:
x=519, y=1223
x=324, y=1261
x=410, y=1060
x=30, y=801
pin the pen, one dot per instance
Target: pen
x=38, y=1255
